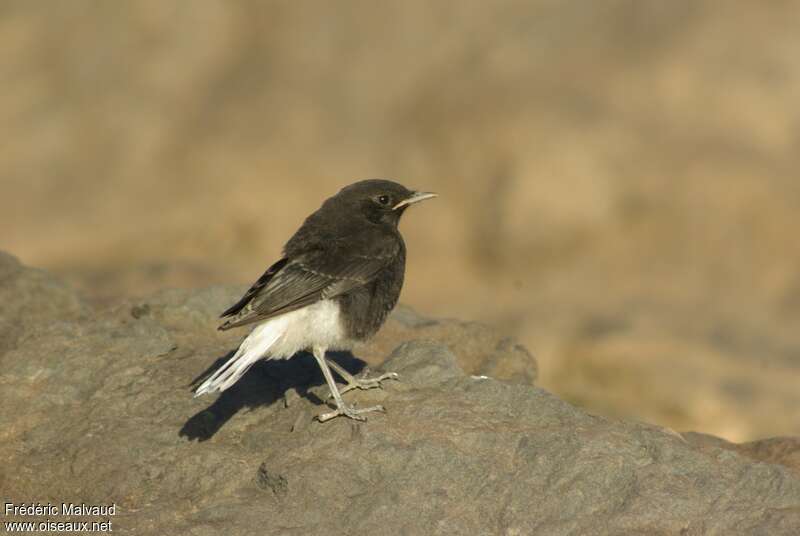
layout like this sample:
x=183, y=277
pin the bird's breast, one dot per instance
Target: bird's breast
x=364, y=309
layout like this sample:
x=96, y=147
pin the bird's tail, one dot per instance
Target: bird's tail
x=253, y=348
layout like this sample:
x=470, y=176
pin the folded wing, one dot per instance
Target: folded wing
x=290, y=284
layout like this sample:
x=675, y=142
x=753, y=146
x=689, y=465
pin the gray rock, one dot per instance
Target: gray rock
x=423, y=363
x=784, y=451
x=479, y=349
x=96, y=408
x=30, y=298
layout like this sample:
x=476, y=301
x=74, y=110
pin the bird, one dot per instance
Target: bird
x=340, y=275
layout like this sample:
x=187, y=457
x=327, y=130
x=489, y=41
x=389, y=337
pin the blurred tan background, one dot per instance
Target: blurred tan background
x=619, y=179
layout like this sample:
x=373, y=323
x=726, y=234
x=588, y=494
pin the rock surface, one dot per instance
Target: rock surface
x=96, y=408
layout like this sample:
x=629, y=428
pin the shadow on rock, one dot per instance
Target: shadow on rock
x=262, y=385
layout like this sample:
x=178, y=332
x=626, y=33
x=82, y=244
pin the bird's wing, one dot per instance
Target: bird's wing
x=255, y=288
x=290, y=284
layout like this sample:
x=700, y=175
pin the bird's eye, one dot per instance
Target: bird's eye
x=383, y=199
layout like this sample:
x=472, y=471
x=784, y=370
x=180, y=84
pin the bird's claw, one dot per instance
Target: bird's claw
x=350, y=412
x=368, y=383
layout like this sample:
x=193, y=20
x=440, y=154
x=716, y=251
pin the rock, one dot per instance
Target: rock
x=30, y=297
x=778, y=450
x=478, y=348
x=423, y=364
x=96, y=408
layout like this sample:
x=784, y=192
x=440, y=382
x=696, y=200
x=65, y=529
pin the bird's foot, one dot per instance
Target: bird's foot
x=349, y=411
x=368, y=383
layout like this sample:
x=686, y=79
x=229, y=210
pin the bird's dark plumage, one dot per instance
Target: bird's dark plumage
x=350, y=249
x=346, y=261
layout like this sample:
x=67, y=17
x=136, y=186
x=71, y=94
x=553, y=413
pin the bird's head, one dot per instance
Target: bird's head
x=380, y=201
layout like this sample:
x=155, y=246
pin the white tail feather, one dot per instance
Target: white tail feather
x=252, y=349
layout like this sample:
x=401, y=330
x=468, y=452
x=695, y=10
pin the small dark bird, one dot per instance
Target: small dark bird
x=340, y=276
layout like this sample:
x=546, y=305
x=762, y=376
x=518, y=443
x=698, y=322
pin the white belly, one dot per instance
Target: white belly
x=317, y=324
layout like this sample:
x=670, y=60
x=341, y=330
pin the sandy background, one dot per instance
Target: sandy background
x=619, y=179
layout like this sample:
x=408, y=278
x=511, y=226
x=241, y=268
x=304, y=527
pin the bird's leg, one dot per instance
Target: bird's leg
x=341, y=407
x=359, y=383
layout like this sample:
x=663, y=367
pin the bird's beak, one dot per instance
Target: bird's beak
x=416, y=197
